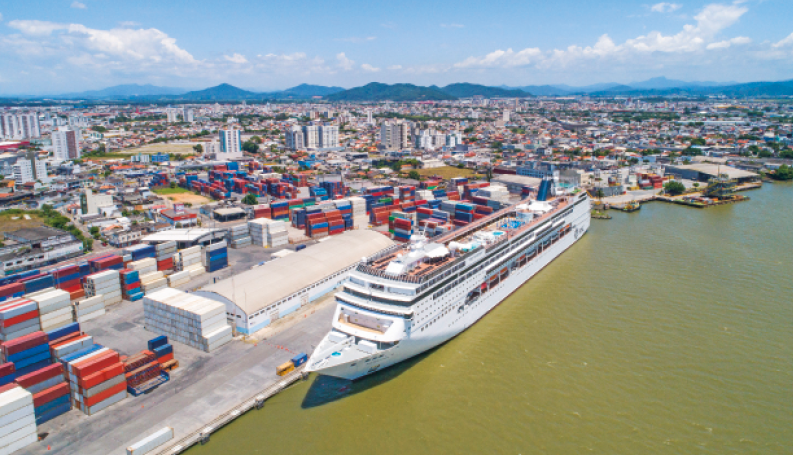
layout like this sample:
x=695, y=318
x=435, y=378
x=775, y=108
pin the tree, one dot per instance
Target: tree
x=256, y=140
x=173, y=185
x=784, y=172
x=787, y=154
x=94, y=230
x=99, y=128
x=414, y=175
x=250, y=147
x=674, y=188
x=198, y=148
x=250, y=199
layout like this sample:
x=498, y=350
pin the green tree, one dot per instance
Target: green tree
x=94, y=230
x=414, y=175
x=250, y=147
x=99, y=128
x=250, y=199
x=198, y=148
x=784, y=172
x=256, y=140
x=173, y=185
x=674, y=188
x=787, y=154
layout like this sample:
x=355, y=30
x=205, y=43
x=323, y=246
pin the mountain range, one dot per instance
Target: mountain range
x=375, y=91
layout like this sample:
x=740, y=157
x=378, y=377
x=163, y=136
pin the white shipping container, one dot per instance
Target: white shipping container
x=24, y=441
x=105, y=404
x=89, y=316
x=72, y=347
x=7, y=431
x=150, y=443
x=14, y=399
x=20, y=333
x=101, y=387
x=51, y=382
x=20, y=413
x=45, y=317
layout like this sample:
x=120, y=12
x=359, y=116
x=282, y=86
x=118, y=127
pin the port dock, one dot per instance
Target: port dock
x=206, y=391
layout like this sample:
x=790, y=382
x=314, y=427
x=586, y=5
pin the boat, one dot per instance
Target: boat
x=413, y=297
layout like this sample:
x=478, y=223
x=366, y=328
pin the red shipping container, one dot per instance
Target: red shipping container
x=50, y=371
x=6, y=369
x=21, y=318
x=95, y=364
x=13, y=288
x=47, y=395
x=24, y=342
x=66, y=339
x=101, y=396
x=132, y=286
x=165, y=358
x=99, y=377
x=68, y=270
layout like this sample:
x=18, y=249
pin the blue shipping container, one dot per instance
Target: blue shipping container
x=163, y=350
x=51, y=405
x=299, y=359
x=52, y=413
x=27, y=354
x=31, y=368
x=155, y=343
x=63, y=331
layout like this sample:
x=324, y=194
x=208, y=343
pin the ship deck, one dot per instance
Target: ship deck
x=491, y=223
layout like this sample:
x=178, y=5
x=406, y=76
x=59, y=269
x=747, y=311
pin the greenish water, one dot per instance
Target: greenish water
x=665, y=331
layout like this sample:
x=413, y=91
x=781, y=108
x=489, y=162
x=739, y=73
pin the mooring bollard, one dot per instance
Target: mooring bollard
x=205, y=435
x=259, y=401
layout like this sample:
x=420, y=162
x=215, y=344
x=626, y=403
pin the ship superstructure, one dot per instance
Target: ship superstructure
x=413, y=297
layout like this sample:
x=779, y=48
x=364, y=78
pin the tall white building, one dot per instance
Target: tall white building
x=395, y=135
x=20, y=126
x=78, y=121
x=230, y=144
x=505, y=115
x=172, y=115
x=29, y=169
x=66, y=143
x=187, y=115
x=312, y=137
x=369, y=118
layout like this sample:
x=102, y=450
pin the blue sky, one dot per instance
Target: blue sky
x=54, y=46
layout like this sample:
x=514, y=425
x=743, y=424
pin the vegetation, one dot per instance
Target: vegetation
x=250, y=147
x=414, y=175
x=784, y=172
x=46, y=215
x=465, y=90
x=674, y=188
x=376, y=91
x=448, y=172
x=250, y=199
x=171, y=190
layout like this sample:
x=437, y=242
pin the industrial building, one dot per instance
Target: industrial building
x=185, y=238
x=257, y=297
x=703, y=172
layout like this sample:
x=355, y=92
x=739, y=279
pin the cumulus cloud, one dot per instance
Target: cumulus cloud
x=665, y=7
x=785, y=42
x=78, y=5
x=236, y=58
x=129, y=23
x=369, y=68
x=698, y=37
x=344, y=63
x=37, y=28
x=727, y=43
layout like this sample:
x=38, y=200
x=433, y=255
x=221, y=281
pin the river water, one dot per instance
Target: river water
x=665, y=331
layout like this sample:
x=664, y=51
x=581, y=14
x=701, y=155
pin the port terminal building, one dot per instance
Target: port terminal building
x=703, y=172
x=257, y=297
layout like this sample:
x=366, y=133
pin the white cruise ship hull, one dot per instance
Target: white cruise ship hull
x=346, y=360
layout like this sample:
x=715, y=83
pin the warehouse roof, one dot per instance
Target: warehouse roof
x=231, y=211
x=256, y=289
x=512, y=179
x=714, y=170
x=179, y=235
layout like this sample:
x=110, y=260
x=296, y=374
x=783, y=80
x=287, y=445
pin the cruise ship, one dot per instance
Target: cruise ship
x=415, y=296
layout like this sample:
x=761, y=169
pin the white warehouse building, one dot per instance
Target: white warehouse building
x=257, y=297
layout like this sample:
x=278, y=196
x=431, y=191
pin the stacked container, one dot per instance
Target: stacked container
x=90, y=308
x=139, y=252
x=141, y=368
x=17, y=419
x=55, y=309
x=178, y=278
x=215, y=256
x=50, y=392
x=165, y=253
x=239, y=235
x=96, y=379
x=109, y=262
x=187, y=318
x=143, y=266
x=130, y=285
x=107, y=284
x=161, y=349
x=38, y=282
x=28, y=353
x=187, y=257
x=12, y=290
x=67, y=341
x=153, y=282
x=8, y=373
x=18, y=317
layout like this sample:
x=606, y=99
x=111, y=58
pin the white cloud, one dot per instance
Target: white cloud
x=369, y=68
x=394, y=67
x=711, y=20
x=727, y=43
x=452, y=25
x=344, y=63
x=37, y=28
x=78, y=5
x=129, y=23
x=784, y=42
x=665, y=7
x=236, y=58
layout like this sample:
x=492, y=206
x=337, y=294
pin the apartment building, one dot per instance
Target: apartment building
x=20, y=126
x=395, y=135
x=66, y=143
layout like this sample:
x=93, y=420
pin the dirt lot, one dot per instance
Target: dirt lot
x=8, y=223
x=195, y=199
x=160, y=148
x=446, y=172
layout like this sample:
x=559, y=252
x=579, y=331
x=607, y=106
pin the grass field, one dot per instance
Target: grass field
x=160, y=148
x=447, y=172
x=8, y=223
x=168, y=190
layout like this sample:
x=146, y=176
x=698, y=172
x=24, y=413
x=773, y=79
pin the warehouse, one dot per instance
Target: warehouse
x=261, y=295
x=703, y=172
x=185, y=238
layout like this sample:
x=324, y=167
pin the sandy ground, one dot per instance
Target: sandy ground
x=194, y=199
x=159, y=148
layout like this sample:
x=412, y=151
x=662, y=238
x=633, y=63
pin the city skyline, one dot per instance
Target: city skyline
x=73, y=46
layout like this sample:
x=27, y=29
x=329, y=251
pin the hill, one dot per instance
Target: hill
x=222, y=92
x=308, y=90
x=125, y=91
x=466, y=90
x=543, y=90
x=376, y=91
